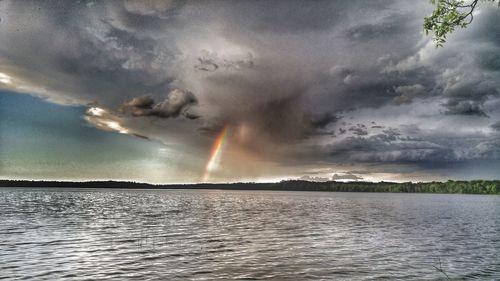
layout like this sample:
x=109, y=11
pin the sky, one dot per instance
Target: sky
x=224, y=91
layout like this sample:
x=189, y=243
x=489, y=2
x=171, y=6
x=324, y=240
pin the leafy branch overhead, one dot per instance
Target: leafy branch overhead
x=448, y=15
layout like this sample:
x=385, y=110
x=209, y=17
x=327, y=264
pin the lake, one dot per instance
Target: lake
x=92, y=234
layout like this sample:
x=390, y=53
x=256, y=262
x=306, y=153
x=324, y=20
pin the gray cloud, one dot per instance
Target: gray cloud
x=312, y=178
x=283, y=74
x=359, y=130
x=465, y=108
x=322, y=120
x=393, y=147
x=206, y=64
x=211, y=62
x=380, y=30
x=335, y=177
x=346, y=176
x=407, y=93
x=148, y=7
x=177, y=102
x=496, y=126
x=144, y=102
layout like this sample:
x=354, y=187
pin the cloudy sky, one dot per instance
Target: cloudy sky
x=181, y=91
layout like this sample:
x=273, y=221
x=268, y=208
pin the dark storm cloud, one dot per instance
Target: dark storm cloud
x=177, y=102
x=284, y=74
x=286, y=16
x=496, y=126
x=386, y=148
x=87, y=57
x=396, y=148
x=407, y=93
x=158, y=8
x=143, y=102
x=359, y=130
x=464, y=108
x=206, y=64
x=124, y=52
x=322, y=120
x=466, y=81
x=211, y=62
x=389, y=25
x=487, y=150
x=467, y=95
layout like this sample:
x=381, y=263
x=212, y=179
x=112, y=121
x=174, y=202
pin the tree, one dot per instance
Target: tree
x=448, y=15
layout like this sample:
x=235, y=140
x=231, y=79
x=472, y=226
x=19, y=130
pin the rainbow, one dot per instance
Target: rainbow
x=216, y=152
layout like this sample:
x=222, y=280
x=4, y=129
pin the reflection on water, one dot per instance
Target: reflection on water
x=50, y=234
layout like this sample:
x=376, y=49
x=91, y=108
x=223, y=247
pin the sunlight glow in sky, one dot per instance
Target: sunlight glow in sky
x=4, y=78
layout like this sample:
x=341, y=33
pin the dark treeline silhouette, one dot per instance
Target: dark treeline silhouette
x=466, y=187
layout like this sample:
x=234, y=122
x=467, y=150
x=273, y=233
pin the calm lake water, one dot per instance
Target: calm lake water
x=81, y=234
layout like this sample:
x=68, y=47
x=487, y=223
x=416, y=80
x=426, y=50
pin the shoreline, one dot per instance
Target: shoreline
x=449, y=187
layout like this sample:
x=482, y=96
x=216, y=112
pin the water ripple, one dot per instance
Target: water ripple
x=54, y=234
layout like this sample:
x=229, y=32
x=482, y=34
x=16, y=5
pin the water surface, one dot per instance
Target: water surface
x=92, y=234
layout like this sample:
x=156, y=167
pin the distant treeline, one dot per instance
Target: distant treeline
x=466, y=187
